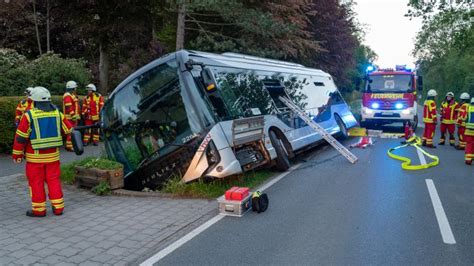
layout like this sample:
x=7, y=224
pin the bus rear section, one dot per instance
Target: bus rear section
x=390, y=96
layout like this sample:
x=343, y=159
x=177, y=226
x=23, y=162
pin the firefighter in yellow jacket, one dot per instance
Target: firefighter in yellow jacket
x=38, y=138
x=91, y=107
x=71, y=109
x=23, y=106
x=469, y=134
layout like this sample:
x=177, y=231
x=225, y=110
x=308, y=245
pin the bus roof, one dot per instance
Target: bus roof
x=226, y=59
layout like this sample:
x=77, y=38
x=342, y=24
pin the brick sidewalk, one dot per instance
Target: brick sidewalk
x=93, y=230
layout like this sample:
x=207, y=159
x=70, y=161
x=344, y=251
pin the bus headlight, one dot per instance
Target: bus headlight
x=212, y=154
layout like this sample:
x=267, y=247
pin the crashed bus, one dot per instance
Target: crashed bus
x=193, y=115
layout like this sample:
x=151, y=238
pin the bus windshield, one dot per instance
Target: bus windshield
x=147, y=118
x=389, y=83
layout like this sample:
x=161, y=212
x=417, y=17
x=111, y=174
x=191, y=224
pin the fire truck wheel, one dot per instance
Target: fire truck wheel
x=282, y=163
x=343, y=129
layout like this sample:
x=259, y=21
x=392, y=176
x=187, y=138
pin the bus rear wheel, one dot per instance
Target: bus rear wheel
x=282, y=162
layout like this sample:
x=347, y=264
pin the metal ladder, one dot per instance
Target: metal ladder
x=328, y=137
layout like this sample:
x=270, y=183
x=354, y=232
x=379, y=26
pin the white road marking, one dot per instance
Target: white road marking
x=175, y=245
x=443, y=223
x=421, y=156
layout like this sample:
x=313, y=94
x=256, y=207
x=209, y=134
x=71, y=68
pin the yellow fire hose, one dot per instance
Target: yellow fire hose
x=415, y=142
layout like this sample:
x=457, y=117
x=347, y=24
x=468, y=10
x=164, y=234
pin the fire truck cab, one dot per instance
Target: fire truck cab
x=389, y=96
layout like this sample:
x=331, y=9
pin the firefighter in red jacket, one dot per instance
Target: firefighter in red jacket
x=38, y=138
x=71, y=109
x=469, y=134
x=430, y=119
x=448, y=119
x=91, y=106
x=461, y=121
x=23, y=106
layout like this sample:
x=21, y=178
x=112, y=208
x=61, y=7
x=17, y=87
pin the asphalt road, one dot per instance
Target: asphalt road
x=330, y=212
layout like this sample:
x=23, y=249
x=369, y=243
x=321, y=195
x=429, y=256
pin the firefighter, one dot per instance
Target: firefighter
x=71, y=109
x=448, y=118
x=469, y=134
x=461, y=120
x=38, y=138
x=91, y=106
x=430, y=119
x=23, y=106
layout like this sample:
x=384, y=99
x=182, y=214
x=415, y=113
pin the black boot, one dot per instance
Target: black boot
x=30, y=213
x=441, y=142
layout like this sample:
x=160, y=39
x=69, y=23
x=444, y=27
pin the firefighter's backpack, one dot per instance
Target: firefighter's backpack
x=259, y=202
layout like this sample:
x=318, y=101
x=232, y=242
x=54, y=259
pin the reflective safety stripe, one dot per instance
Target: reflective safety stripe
x=42, y=158
x=406, y=162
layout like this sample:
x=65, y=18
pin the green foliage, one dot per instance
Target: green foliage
x=102, y=189
x=68, y=174
x=215, y=188
x=7, y=120
x=100, y=163
x=49, y=70
x=445, y=52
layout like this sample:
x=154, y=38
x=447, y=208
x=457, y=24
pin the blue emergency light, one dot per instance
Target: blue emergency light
x=399, y=105
x=375, y=105
x=370, y=68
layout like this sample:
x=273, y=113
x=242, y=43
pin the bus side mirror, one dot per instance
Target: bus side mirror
x=419, y=83
x=208, y=79
x=76, y=139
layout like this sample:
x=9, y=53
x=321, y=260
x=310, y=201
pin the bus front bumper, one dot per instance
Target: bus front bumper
x=387, y=116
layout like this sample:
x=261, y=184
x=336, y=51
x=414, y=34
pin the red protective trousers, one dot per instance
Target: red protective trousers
x=450, y=128
x=428, y=134
x=462, y=137
x=469, y=151
x=38, y=174
x=87, y=132
x=68, y=137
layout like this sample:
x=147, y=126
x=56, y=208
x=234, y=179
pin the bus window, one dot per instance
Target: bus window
x=242, y=91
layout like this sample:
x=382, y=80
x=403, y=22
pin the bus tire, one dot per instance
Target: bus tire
x=282, y=162
x=344, y=133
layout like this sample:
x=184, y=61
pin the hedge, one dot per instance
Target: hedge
x=48, y=70
x=7, y=120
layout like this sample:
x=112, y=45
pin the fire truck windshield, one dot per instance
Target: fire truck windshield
x=147, y=117
x=389, y=83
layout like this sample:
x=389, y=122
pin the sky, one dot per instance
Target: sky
x=389, y=33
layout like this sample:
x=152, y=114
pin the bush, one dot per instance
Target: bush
x=7, y=120
x=99, y=163
x=49, y=70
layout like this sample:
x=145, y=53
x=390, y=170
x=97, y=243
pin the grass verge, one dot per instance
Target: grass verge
x=216, y=188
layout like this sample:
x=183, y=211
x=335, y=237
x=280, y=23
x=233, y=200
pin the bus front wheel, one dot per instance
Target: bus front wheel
x=282, y=162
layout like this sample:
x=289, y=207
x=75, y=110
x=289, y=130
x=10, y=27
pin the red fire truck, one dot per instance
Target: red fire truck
x=390, y=96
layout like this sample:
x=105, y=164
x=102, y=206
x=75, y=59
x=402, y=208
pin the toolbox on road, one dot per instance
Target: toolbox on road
x=234, y=207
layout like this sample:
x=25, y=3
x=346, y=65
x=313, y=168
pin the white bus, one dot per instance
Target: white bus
x=180, y=116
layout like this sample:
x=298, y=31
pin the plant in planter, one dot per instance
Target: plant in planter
x=93, y=172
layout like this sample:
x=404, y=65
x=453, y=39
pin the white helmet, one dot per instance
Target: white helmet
x=451, y=94
x=432, y=93
x=472, y=100
x=71, y=84
x=40, y=94
x=465, y=96
x=91, y=87
x=28, y=91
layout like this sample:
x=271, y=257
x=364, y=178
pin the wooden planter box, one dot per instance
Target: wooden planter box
x=91, y=177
